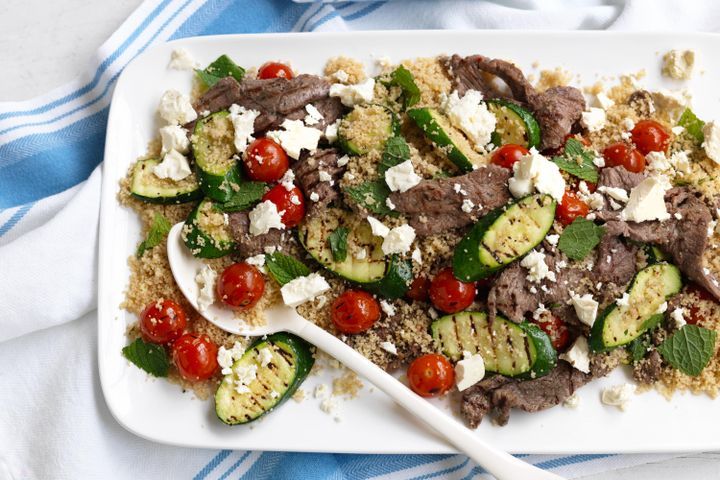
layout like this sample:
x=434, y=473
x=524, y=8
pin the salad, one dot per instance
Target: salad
x=498, y=240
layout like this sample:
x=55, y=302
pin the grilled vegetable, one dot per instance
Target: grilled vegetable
x=649, y=290
x=509, y=348
x=503, y=236
x=280, y=363
x=149, y=188
x=367, y=128
x=205, y=232
x=213, y=145
x=513, y=125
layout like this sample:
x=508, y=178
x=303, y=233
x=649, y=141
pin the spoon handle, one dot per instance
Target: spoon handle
x=499, y=463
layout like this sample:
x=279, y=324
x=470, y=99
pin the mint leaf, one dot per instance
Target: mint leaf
x=222, y=67
x=158, y=231
x=689, y=349
x=338, y=244
x=148, y=356
x=579, y=238
x=371, y=195
x=403, y=78
x=396, y=152
x=692, y=125
x=638, y=348
x=245, y=197
x=577, y=161
x=285, y=268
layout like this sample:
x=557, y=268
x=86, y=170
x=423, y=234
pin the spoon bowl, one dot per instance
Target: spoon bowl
x=502, y=465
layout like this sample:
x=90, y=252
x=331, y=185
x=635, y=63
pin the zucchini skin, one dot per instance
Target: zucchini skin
x=201, y=244
x=302, y=353
x=214, y=185
x=162, y=196
x=427, y=119
x=532, y=127
x=468, y=264
x=598, y=341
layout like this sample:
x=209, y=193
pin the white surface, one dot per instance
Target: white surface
x=132, y=124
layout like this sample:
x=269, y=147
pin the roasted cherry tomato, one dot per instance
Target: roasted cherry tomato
x=162, y=322
x=240, y=286
x=556, y=330
x=649, y=136
x=507, y=155
x=195, y=356
x=265, y=160
x=570, y=208
x=275, y=70
x=290, y=204
x=431, y=375
x=694, y=316
x=419, y=289
x=355, y=311
x=449, y=294
x=621, y=154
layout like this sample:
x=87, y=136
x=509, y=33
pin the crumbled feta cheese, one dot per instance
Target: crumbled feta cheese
x=257, y=261
x=662, y=308
x=469, y=370
x=225, y=360
x=320, y=391
x=618, y=395
x=417, y=256
x=585, y=308
x=270, y=249
x=314, y=197
x=537, y=268
x=265, y=356
x=331, y=132
x=680, y=162
x=341, y=76
x=378, y=228
x=402, y=177
x=295, y=200
x=579, y=355
x=616, y=193
x=657, y=162
x=274, y=394
x=467, y=206
x=678, y=316
x=174, y=166
x=180, y=59
x=599, y=162
x=329, y=405
x=572, y=401
x=553, y=239
x=677, y=130
x=389, y=347
x=471, y=115
x=303, y=289
x=711, y=130
x=678, y=64
x=175, y=108
x=604, y=101
x=712, y=225
x=245, y=375
x=398, y=240
x=174, y=137
x=672, y=102
x=351, y=95
x=389, y=203
x=243, y=121
x=361, y=254
x=535, y=172
x=646, y=202
x=457, y=188
x=678, y=215
x=540, y=310
x=624, y=301
x=342, y=161
x=263, y=217
x=594, y=119
x=313, y=116
x=433, y=313
x=296, y=137
x=325, y=176
x=627, y=124
x=288, y=180
x=387, y=308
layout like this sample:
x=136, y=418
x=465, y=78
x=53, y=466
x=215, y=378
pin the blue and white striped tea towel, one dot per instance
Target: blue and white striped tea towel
x=53, y=420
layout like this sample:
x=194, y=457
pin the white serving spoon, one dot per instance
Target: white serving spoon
x=501, y=464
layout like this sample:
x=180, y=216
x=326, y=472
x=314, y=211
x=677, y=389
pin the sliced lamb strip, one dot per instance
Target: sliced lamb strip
x=648, y=370
x=503, y=394
x=435, y=206
x=248, y=245
x=307, y=173
x=556, y=109
x=276, y=99
x=614, y=261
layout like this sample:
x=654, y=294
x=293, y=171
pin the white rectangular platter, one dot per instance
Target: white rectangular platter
x=371, y=423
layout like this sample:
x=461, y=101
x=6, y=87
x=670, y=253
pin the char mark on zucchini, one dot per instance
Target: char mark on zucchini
x=435, y=206
x=557, y=109
x=307, y=174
